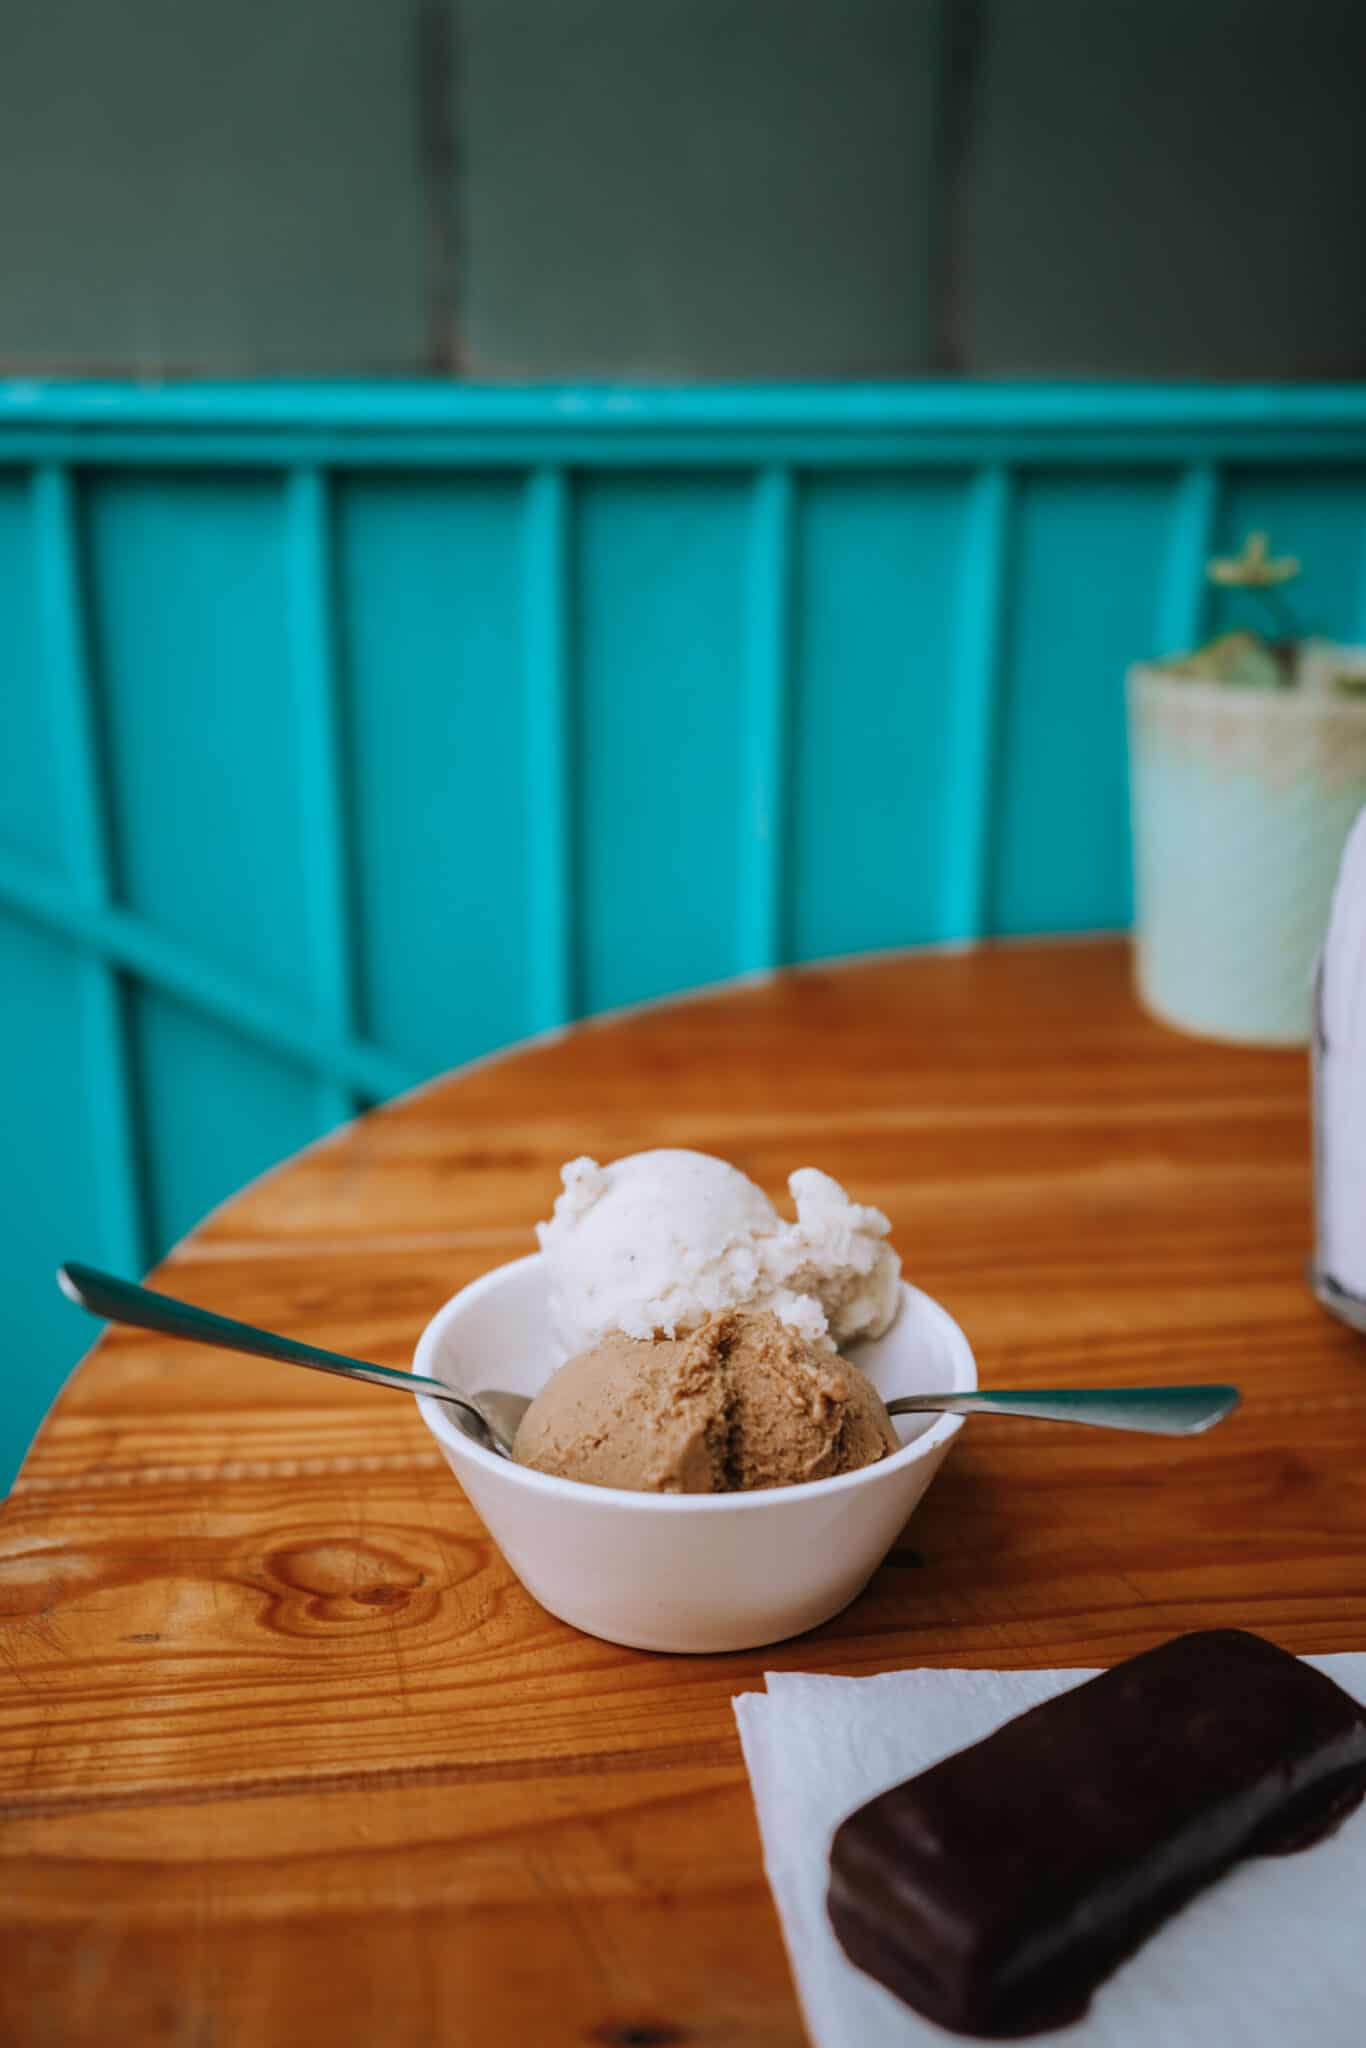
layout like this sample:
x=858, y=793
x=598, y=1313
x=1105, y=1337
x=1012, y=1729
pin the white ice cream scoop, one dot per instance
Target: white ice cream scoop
x=660, y=1240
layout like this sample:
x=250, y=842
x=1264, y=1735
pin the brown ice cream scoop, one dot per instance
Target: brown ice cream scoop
x=741, y=1402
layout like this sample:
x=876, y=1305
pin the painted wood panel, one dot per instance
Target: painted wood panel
x=351, y=731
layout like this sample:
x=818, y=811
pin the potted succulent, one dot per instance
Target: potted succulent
x=1247, y=761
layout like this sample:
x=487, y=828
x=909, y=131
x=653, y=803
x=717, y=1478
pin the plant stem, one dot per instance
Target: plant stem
x=1287, y=625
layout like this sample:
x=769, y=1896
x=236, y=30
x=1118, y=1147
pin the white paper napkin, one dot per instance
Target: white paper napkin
x=1273, y=1956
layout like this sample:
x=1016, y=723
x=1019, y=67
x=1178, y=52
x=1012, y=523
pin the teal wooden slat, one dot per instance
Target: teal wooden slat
x=893, y=427
x=58, y=585
x=969, y=818
x=30, y=807
x=321, y=793
x=435, y=663
x=708, y=450
x=190, y=621
x=216, y=1111
x=763, y=938
x=131, y=944
x=1075, y=413
x=1185, y=600
x=660, y=579
x=50, y=1191
x=550, y=767
x=876, y=658
x=1084, y=598
x=61, y=599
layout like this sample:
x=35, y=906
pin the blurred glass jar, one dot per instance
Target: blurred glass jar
x=1338, y=1051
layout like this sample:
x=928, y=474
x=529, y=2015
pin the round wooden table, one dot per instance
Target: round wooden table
x=290, y=1757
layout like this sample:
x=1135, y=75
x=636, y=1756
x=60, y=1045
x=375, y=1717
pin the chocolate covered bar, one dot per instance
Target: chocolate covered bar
x=995, y=1891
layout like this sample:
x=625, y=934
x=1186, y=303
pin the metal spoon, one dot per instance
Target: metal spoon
x=1160, y=1411
x=494, y=1415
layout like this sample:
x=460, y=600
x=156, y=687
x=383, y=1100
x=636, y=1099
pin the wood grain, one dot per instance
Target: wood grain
x=288, y=1755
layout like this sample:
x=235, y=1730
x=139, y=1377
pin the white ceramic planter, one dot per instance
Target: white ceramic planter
x=1241, y=801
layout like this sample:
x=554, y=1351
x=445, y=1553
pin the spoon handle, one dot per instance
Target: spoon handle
x=120, y=1301
x=1161, y=1411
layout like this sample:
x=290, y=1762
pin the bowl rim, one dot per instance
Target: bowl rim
x=441, y=1422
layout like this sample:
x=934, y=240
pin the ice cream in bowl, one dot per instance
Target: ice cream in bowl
x=706, y=1463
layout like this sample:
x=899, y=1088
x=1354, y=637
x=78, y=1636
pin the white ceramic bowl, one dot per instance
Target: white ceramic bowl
x=691, y=1572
